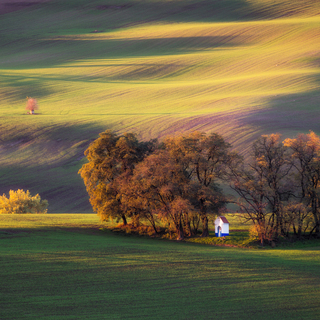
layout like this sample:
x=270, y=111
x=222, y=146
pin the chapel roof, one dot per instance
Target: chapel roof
x=224, y=219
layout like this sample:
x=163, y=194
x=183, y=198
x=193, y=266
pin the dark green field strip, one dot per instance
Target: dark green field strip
x=67, y=275
x=25, y=33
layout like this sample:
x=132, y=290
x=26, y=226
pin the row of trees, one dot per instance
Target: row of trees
x=175, y=181
x=179, y=181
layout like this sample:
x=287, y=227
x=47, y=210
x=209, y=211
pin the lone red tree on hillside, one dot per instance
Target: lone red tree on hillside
x=32, y=105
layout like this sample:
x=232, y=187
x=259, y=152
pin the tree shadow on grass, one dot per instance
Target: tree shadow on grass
x=208, y=11
x=47, y=162
x=288, y=115
x=18, y=87
x=31, y=48
x=60, y=51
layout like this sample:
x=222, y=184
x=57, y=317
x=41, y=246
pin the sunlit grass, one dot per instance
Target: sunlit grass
x=252, y=63
x=47, y=221
x=147, y=71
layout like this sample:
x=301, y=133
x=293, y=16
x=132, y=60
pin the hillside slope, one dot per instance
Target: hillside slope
x=240, y=68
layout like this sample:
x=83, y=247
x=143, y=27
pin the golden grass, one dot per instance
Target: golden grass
x=45, y=221
x=216, y=68
x=241, y=59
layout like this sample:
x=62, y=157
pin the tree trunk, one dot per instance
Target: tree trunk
x=136, y=221
x=294, y=229
x=187, y=225
x=154, y=226
x=204, y=220
x=205, y=228
x=317, y=229
x=317, y=223
x=180, y=234
x=315, y=216
x=195, y=223
x=155, y=229
x=124, y=220
x=299, y=231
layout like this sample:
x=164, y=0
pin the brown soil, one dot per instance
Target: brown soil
x=7, y=6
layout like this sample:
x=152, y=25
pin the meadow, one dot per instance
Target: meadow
x=155, y=68
x=62, y=266
x=241, y=68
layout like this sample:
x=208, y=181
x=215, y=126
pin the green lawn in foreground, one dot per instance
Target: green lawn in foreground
x=53, y=272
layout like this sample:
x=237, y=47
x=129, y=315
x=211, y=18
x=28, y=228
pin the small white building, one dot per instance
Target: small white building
x=221, y=226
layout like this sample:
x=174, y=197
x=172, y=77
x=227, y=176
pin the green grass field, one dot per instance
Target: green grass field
x=61, y=266
x=239, y=68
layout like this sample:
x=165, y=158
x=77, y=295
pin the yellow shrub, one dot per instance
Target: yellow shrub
x=254, y=232
x=22, y=202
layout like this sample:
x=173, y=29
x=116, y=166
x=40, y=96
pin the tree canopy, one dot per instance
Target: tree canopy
x=279, y=187
x=177, y=182
x=111, y=161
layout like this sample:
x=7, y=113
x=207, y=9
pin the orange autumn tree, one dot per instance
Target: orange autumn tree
x=111, y=161
x=180, y=183
x=204, y=159
x=158, y=189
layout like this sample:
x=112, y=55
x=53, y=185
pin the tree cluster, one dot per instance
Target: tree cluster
x=279, y=187
x=179, y=182
x=175, y=181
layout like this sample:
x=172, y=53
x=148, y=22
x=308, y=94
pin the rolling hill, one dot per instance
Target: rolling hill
x=156, y=68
